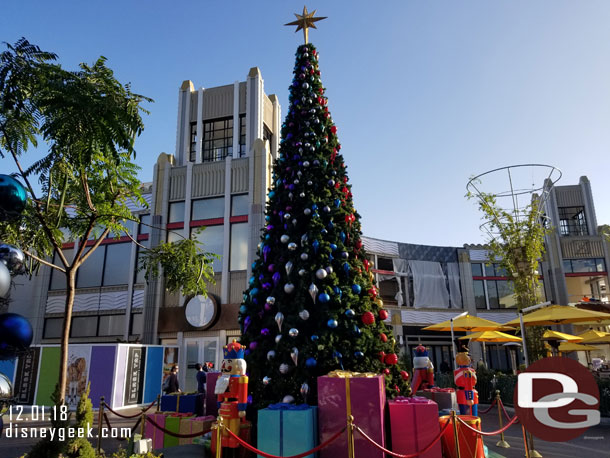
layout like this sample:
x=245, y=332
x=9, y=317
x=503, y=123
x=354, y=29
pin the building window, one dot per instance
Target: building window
x=240, y=205
x=140, y=274
x=176, y=212
x=174, y=236
x=479, y=294
x=584, y=265
x=84, y=326
x=193, y=144
x=239, y=247
x=90, y=272
x=208, y=208
x=58, y=279
x=212, y=240
x=116, y=264
x=53, y=328
x=242, y=135
x=492, y=290
x=137, y=323
x=111, y=325
x=145, y=223
x=217, y=139
x=267, y=135
x=385, y=264
x=477, y=270
x=572, y=221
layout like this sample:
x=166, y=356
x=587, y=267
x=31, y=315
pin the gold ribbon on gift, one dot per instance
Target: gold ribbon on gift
x=350, y=374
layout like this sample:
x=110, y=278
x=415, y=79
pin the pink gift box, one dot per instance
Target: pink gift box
x=367, y=400
x=414, y=425
x=211, y=408
x=151, y=432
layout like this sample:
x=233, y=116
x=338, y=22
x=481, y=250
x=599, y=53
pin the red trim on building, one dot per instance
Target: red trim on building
x=383, y=272
x=587, y=274
x=207, y=222
x=239, y=219
x=67, y=246
x=179, y=225
x=142, y=237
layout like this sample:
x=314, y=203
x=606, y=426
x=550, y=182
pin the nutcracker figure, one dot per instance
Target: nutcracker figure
x=465, y=378
x=232, y=391
x=423, y=370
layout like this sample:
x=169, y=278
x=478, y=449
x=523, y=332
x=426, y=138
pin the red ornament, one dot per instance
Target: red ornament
x=381, y=355
x=344, y=179
x=396, y=388
x=386, y=371
x=404, y=375
x=368, y=318
x=358, y=244
x=337, y=185
x=333, y=129
x=383, y=314
x=383, y=337
x=366, y=264
x=391, y=359
x=373, y=292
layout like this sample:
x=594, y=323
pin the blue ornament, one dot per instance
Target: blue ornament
x=324, y=297
x=350, y=313
x=13, y=196
x=271, y=194
x=252, y=280
x=253, y=265
x=253, y=292
x=333, y=246
x=267, y=236
x=356, y=289
x=337, y=291
x=359, y=354
x=346, y=268
x=342, y=236
x=314, y=338
x=315, y=244
x=311, y=362
x=332, y=323
x=356, y=331
x=337, y=355
x=15, y=334
x=331, y=225
x=314, y=207
x=268, y=218
x=243, y=309
x=337, y=203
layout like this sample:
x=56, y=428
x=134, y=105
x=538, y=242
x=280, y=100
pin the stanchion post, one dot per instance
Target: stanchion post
x=219, y=427
x=501, y=443
x=533, y=452
x=527, y=449
x=351, y=452
x=455, y=434
x=158, y=403
x=142, y=421
x=100, y=417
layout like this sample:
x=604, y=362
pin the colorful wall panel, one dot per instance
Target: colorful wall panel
x=101, y=373
x=7, y=368
x=119, y=377
x=154, y=371
x=48, y=375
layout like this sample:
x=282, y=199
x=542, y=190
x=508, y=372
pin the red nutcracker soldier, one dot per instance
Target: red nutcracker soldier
x=465, y=378
x=423, y=370
x=232, y=391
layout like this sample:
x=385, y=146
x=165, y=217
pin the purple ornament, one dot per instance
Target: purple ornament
x=247, y=322
x=269, y=227
x=267, y=306
x=266, y=285
x=253, y=345
x=276, y=278
x=288, y=208
x=264, y=332
x=261, y=277
x=271, y=267
x=266, y=251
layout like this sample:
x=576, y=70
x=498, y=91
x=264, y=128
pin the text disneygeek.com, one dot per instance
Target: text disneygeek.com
x=20, y=425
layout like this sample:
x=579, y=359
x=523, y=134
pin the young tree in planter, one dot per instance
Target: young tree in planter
x=311, y=306
x=90, y=122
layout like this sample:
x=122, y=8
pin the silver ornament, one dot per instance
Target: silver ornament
x=302, y=272
x=326, y=209
x=294, y=354
x=313, y=292
x=304, y=314
x=278, y=338
x=270, y=355
x=309, y=183
x=306, y=164
x=287, y=216
x=296, y=181
x=299, y=173
x=292, y=246
x=304, y=256
x=329, y=270
x=294, y=222
x=307, y=211
x=288, y=267
x=287, y=399
x=284, y=238
x=301, y=195
x=303, y=239
x=5, y=280
x=271, y=300
x=288, y=288
x=293, y=332
x=284, y=368
x=6, y=390
x=266, y=380
x=279, y=319
x=305, y=390
x=13, y=258
x=290, y=195
x=321, y=274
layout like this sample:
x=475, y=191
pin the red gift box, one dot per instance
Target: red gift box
x=151, y=432
x=363, y=395
x=414, y=425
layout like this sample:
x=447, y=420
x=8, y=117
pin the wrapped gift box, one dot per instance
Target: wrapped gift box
x=245, y=431
x=194, y=425
x=444, y=397
x=211, y=406
x=183, y=403
x=151, y=432
x=364, y=394
x=287, y=429
x=414, y=425
x=172, y=424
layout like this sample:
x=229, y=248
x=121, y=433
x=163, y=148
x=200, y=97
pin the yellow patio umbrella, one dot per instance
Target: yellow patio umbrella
x=567, y=347
x=559, y=314
x=595, y=337
x=557, y=336
x=491, y=336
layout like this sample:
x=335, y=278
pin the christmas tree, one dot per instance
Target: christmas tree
x=311, y=306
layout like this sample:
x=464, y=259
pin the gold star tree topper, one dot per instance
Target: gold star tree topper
x=305, y=21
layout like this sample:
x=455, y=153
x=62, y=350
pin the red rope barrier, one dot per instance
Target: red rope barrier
x=398, y=455
x=504, y=410
x=268, y=455
x=492, y=433
x=132, y=429
x=171, y=433
x=490, y=407
x=129, y=416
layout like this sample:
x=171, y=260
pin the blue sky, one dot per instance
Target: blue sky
x=425, y=94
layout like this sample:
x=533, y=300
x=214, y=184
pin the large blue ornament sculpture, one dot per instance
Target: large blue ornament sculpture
x=15, y=335
x=13, y=197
